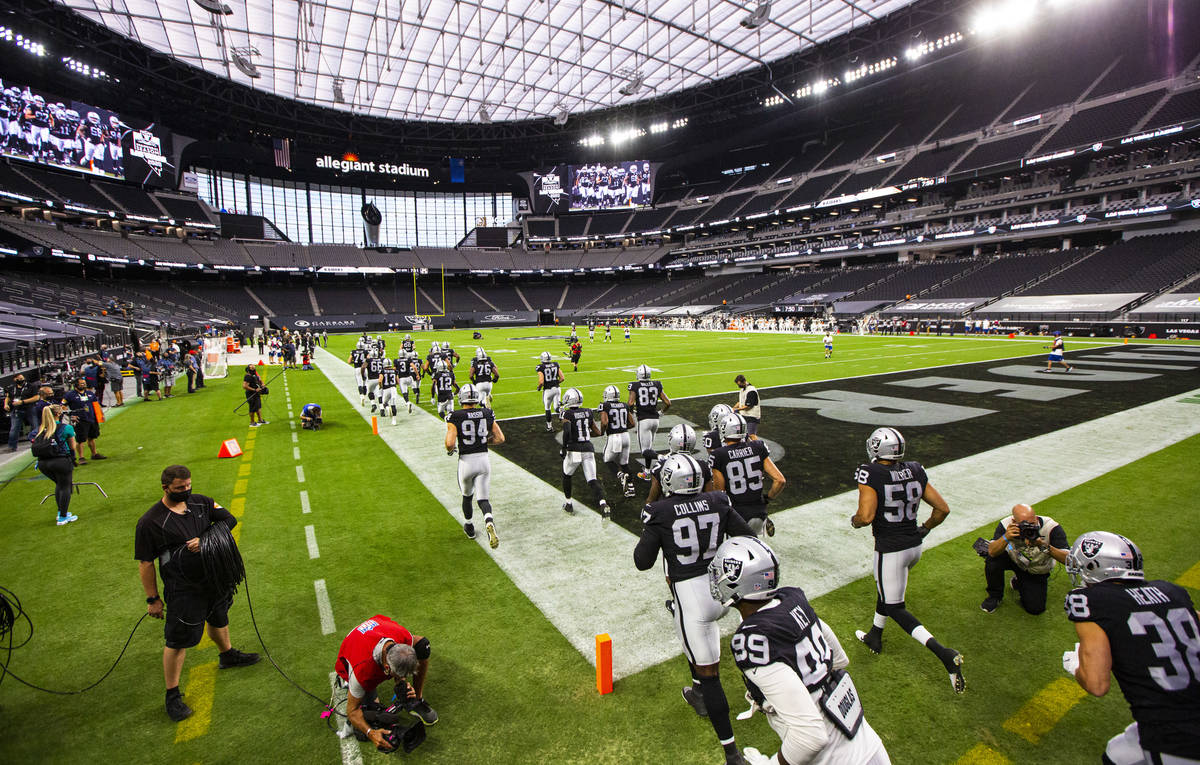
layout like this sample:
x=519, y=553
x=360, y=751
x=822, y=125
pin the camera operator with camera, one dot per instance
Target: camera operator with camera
x=1028, y=545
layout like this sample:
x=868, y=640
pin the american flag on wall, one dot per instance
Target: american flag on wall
x=283, y=153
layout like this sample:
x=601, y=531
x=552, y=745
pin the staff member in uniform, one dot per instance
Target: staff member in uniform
x=83, y=417
x=748, y=404
x=17, y=400
x=1027, y=544
x=253, y=386
x=170, y=532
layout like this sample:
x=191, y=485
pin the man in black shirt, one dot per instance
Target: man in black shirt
x=889, y=494
x=470, y=430
x=170, y=532
x=253, y=386
x=687, y=525
x=18, y=397
x=1147, y=635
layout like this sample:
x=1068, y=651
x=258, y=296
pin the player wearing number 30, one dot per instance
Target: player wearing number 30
x=470, y=430
x=792, y=662
x=889, y=493
x=1147, y=634
x=687, y=525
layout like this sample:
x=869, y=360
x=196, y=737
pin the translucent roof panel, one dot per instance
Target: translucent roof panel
x=442, y=60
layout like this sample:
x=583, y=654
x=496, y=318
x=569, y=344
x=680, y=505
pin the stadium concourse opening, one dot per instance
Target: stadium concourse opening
x=455, y=233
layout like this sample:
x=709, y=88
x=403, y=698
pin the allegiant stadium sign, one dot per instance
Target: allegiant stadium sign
x=350, y=163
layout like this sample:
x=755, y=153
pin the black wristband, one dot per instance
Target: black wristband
x=152, y=599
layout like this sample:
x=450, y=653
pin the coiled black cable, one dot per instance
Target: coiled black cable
x=222, y=562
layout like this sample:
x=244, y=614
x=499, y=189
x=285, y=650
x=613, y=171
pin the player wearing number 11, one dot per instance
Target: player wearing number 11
x=889, y=493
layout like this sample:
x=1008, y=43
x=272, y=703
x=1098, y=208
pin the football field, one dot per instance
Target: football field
x=338, y=525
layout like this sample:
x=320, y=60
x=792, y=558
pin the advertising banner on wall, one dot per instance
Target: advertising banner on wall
x=1175, y=302
x=1061, y=303
x=946, y=306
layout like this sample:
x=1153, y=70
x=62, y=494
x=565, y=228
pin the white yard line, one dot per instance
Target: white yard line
x=581, y=575
x=323, y=607
x=310, y=537
x=296, y=452
x=304, y=506
x=299, y=474
x=351, y=753
x=295, y=438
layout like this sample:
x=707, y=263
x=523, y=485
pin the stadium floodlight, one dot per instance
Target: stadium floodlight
x=561, y=116
x=633, y=85
x=339, y=95
x=484, y=113
x=215, y=7
x=760, y=15
x=244, y=63
x=1003, y=15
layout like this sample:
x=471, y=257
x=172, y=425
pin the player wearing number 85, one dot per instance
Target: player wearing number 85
x=889, y=493
x=1147, y=634
x=469, y=431
x=687, y=525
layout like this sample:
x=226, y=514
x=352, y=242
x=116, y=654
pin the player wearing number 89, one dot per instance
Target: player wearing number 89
x=1147, y=634
x=644, y=395
x=470, y=430
x=737, y=469
x=889, y=493
x=792, y=662
x=688, y=525
x=579, y=425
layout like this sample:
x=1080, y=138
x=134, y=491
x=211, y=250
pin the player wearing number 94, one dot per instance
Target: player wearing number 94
x=792, y=663
x=687, y=525
x=1147, y=634
x=889, y=493
x=469, y=431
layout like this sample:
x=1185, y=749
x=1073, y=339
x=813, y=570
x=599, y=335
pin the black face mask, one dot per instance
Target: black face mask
x=179, y=496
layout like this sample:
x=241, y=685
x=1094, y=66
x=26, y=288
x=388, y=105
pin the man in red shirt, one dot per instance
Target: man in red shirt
x=576, y=350
x=375, y=650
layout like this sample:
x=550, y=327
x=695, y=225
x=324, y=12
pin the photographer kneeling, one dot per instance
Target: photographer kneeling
x=1029, y=545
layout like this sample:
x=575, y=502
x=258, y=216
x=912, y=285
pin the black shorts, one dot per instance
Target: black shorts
x=150, y=383
x=188, y=610
x=85, y=430
x=255, y=403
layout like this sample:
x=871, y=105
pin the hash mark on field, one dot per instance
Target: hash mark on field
x=200, y=699
x=1190, y=578
x=243, y=469
x=295, y=452
x=299, y=474
x=982, y=754
x=310, y=537
x=323, y=607
x=1041, y=713
x=237, y=507
x=239, y=486
x=304, y=506
x=295, y=438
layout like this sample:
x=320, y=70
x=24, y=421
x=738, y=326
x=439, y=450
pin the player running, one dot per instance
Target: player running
x=738, y=466
x=483, y=374
x=443, y=389
x=681, y=440
x=899, y=487
x=828, y=341
x=470, y=430
x=579, y=425
x=1056, y=354
x=550, y=380
x=615, y=422
x=687, y=525
x=644, y=395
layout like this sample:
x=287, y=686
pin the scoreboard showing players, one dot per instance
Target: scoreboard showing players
x=39, y=127
x=597, y=186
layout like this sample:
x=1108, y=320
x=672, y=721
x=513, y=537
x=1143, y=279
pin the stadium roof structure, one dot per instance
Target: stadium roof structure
x=462, y=61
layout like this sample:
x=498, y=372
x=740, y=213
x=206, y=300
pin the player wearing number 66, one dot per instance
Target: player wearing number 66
x=1147, y=634
x=889, y=493
x=469, y=431
x=687, y=525
x=792, y=662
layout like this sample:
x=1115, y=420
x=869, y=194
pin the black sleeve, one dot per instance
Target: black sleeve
x=736, y=526
x=1001, y=531
x=1058, y=538
x=647, y=548
x=144, y=543
x=752, y=398
x=221, y=514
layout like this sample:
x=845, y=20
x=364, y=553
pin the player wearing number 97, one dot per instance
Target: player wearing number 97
x=470, y=430
x=687, y=525
x=1147, y=634
x=889, y=493
x=792, y=662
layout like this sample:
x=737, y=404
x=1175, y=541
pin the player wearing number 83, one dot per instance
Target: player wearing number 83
x=1147, y=634
x=687, y=525
x=889, y=493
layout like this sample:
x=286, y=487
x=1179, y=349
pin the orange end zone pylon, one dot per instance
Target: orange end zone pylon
x=604, y=664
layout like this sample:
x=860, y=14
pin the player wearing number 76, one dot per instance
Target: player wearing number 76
x=889, y=493
x=1147, y=634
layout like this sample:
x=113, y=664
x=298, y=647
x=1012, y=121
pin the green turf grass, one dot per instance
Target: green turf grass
x=508, y=687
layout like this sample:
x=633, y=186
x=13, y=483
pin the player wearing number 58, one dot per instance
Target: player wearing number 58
x=890, y=491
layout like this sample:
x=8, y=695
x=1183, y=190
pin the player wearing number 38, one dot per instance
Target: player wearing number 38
x=1147, y=634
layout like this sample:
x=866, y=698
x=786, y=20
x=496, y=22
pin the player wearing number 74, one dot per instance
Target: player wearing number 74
x=889, y=493
x=1147, y=634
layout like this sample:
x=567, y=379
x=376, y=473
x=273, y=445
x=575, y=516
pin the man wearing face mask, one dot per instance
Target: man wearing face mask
x=80, y=400
x=170, y=532
x=18, y=398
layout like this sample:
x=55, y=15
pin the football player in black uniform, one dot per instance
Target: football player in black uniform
x=889, y=494
x=1147, y=635
x=688, y=525
x=470, y=430
x=115, y=132
x=483, y=374
x=94, y=139
x=579, y=425
x=358, y=358
x=374, y=365
x=712, y=439
x=389, y=380
x=431, y=358
x=443, y=389
x=414, y=370
x=681, y=440
x=738, y=466
x=450, y=355
x=407, y=344
x=644, y=395
x=615, y=422
x=792, y=663
x=550, y=380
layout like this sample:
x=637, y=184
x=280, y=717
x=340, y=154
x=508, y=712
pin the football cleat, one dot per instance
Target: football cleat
x=873, y=643
x=769, y=527
x=393, y=420
x=493, y=540
x=549, y=428
x=469, y=530
x=605, y=512
x=568, y=507
x=695, y=700
x=957, y=681
x=410, y=407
